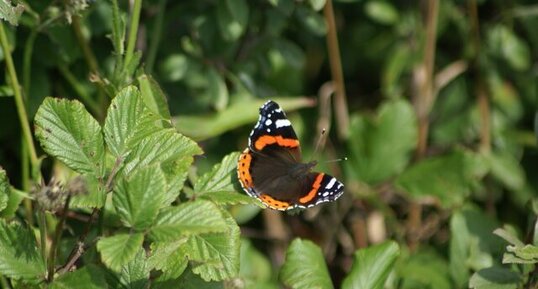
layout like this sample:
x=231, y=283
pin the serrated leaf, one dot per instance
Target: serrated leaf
x=495, y=278
x=5, y=189
x=95, y=198
x=215, y=256
x=128, y=121
x=220, y=178
x=135, y=274
x=175, y=172
x=15, y=199
x=235, y=115
x=448, y=178
x=161, y=146
x=230, y=198
x=118, y=250
x=10, y=13
x=305, y=267
x=381, y=147
x=527, y=252
x=153, y=96
x=371, y=266
x=169, y=258
x=139, y=197
x=68, y=132
x=88, y=277
x=189, y=218
x=19, y=255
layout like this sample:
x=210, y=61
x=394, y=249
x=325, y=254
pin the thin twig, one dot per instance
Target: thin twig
x=79, y=248
x=56, y=241
x=335, y=61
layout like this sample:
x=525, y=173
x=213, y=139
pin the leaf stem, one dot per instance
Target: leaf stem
x=133, y=31
x=21, y=109
x=157, y=34
x=42, y=234
x=335, y=61
x=57, y=236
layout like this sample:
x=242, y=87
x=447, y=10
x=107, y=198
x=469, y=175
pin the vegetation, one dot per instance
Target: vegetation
x=123, y=122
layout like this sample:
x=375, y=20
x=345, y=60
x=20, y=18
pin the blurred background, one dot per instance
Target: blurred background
x=432, y=102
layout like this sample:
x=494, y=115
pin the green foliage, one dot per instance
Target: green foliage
x=19, y=255
x=305, y=267
x=372, y=266
x=118, y=250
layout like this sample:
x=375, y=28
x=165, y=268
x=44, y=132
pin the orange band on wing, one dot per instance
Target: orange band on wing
x=273, y=203
x=313, y=191
x=269, y=140
x=243, y=169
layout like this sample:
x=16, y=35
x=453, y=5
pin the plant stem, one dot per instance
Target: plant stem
x=21, y=109
x=480, y=88
x=335, y=61
x=156, y=40
x=133, y=31
x=42, y=234
x=56, y=241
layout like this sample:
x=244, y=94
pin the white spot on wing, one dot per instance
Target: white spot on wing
x=282, y=123
x=268, y=122
x=330, y=184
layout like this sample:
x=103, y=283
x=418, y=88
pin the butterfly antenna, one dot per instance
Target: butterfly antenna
x=318, y=144
x=336, y=160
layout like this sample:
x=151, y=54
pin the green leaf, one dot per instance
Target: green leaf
x=448, y=178
x=217, y=89
x=194, y=217
x=162, y=146
x=507, y=169
x=139, y=197
x=169, y=258
x=220, y=178
x=381, y=12
x=118, y=250
x=215, y=256
x=235, y=115
x=128, y=121
x=305, y=267
x=381, y=147
x=118, y=29
x=508, y=237
x=424, y=269
x=88, y=277
x=5, y=189
x=317, y=4
x=503, y=42
x=495, y=278
x=311, y=20
x=133, y=275
x=95, y=198
x=230, y=198
x=19, y=255
x=68, y=132
x=153, y=96
x=15, y=199
x=372, y=266
x=255, y=269
x=174, y=67
x=10, y=13
x=232, y=17
x=527, y=252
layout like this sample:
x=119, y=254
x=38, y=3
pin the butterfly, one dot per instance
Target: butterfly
x=271, y=168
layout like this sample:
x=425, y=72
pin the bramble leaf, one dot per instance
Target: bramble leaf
x=305, y=267
x=87, y=277
x=19, y=255
x=186, y=219
x=139, y=197
x=118, y=250
x=68, y=132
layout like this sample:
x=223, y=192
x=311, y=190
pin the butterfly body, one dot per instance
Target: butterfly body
x=271, y=167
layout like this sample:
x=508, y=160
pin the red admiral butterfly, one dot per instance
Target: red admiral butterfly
x=270, y=168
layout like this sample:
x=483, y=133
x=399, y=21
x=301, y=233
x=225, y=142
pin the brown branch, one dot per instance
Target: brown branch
x=335, y=61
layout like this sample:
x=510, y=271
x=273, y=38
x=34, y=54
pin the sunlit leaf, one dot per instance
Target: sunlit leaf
x=10, y=13
x=5, y=189
x=495, y=278
x=19, y=255
x=305, y=267
x=186, y=219
x=68, y=132
x=118, y=250
x=372, y=266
